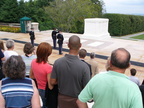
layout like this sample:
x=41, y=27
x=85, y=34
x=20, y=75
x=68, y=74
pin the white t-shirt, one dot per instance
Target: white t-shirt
x=7, y=54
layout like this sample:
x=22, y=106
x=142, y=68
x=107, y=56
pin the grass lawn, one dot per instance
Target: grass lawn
x=139, y=37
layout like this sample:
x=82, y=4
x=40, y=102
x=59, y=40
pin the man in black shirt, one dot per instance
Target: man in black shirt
x=54, y=32
x=32, y=36
x=60, y=41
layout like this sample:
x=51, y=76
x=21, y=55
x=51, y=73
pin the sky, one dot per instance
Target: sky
x=134, y=7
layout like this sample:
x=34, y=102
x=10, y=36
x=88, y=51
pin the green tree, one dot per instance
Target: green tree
x=1, y=2
x=42, y=3
x=69, y=15
x=99, y=6
x=37, y=13
x=22, y=9
x=9, y=11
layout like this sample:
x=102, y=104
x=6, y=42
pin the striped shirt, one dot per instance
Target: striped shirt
x=17, y=92
x=28, y=61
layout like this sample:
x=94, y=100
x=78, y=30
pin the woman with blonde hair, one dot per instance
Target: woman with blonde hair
x=41, y=69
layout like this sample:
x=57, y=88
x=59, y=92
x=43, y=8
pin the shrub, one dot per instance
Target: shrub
x=120, y=24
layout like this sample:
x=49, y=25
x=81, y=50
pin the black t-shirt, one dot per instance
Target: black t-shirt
x=1, y=56
x=1, y=72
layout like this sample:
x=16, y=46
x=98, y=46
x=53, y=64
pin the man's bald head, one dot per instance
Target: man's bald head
x=120, y=58
x=74, y=42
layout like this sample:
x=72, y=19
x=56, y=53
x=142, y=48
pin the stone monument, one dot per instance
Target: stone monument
x=35, y=25
x=96, y=28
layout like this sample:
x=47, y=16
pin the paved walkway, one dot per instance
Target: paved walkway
x=132, y=35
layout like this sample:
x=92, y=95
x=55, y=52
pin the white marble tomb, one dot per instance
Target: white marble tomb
x=35, y=25
x=96, y=28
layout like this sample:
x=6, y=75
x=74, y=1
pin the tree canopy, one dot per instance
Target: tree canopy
x=8, y=10
x=67, y=15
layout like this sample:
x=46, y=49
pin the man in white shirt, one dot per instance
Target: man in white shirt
x=10, y=46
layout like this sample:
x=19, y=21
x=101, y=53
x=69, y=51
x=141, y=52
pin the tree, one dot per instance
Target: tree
x=37, y=13
x=99, y=6
x=69, y=15
x=9, y=11
x=42, y=3
x=22, y=9
x=1, y=2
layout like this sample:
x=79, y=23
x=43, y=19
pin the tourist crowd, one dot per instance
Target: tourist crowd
x=30, y=81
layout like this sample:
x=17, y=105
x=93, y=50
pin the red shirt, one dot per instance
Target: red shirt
x=40, y=71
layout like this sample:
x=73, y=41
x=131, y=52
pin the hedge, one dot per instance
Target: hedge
x=120, y=24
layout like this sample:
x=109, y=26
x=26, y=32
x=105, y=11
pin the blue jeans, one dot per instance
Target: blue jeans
x=42, y=95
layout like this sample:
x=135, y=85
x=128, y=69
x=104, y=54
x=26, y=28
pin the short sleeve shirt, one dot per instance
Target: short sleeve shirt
x=28, y=61
x=112, y=90
x=7, y=54
x=41, y=70
x=72, y=75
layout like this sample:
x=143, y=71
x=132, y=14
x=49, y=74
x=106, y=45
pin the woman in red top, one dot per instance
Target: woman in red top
x=41, y=69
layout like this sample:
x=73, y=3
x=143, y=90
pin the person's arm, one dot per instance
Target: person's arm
x=2, y=101
x=86, y=76
x=30, y=32
x=49, y=84
x=136, y=101
x=62, y=38
x=81, y=104
x=53, y=81
x=53, y=78
x=2, y=55
x=90, y=70
x=3, y=59
x=34, y=35
x=35, y=98
x=31, y=75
